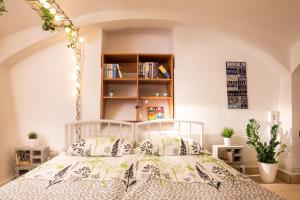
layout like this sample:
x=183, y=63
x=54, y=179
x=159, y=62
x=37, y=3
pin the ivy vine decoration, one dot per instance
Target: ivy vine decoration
x=2, y=7
x=54, y=19
x=48, y=19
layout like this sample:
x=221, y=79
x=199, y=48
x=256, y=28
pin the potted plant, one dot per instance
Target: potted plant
x=32, y=136
x=267, y=154
x=227, y=134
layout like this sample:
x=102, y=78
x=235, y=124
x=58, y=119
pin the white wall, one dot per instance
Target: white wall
x=200, y=84
x=42, y=86
x=8, y=134
x=138, y=40
x=296, y=119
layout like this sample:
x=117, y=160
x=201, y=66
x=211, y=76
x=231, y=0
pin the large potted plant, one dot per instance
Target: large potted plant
x=267, y=153
x=227, y=134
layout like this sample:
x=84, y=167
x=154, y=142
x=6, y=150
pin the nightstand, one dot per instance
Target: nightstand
x=28, y=158
x=232, y=155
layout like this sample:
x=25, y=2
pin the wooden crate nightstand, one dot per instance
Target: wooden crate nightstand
x=27, y=158
x=232, y=155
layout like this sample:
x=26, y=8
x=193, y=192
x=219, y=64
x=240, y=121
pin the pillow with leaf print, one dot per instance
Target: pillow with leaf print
x=107, y=146
x=170, y=146
x=77, y=148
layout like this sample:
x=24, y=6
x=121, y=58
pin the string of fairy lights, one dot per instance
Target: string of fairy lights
x=54, y=18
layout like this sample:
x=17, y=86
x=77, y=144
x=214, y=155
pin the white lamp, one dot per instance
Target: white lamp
x=273, y=117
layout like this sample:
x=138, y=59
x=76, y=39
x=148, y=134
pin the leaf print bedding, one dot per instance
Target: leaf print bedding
x=134, y=177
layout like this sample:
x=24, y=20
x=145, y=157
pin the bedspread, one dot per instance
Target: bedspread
x=134, y=177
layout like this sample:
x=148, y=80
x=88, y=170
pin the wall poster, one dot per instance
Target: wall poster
x=237, y=85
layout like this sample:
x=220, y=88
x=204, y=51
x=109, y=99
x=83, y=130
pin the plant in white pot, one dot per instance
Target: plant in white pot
x=33, y=139
x=267, y=154
x=227, y=134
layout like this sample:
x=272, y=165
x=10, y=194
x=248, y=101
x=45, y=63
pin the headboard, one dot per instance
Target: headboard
x=96, y=128
x=192, y=129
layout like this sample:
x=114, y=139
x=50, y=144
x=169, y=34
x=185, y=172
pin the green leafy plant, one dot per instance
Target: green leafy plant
x=266, y=153
x=47, y=18
x=227, y=132
x=2, y=7
x=32, y=135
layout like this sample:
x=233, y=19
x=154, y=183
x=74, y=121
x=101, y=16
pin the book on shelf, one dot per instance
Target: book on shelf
x=23, y=158
x=151, y=70
x=112, y=71
x=163, y=70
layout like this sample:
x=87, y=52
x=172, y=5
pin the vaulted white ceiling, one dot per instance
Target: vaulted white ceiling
x=276, y=20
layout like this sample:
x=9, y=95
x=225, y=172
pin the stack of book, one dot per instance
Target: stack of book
x=152, y=70
x=112, y=71
x=23, y=159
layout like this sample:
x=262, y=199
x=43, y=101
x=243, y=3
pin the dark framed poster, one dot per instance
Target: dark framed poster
x=237, y=85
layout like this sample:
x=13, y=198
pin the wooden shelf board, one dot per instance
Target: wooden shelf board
x=120, y=98
x=119, y=80
x=154, y=81
x=156, y=98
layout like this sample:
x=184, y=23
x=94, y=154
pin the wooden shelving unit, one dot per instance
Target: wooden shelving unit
x=133, y=94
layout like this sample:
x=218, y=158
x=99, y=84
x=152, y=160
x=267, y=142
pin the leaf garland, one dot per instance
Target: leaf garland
x=54, y=18
x=2, y=7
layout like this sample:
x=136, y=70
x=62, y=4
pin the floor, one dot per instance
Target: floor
x=281, y=188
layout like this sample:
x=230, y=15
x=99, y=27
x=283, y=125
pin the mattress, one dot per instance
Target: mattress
x=136, y=176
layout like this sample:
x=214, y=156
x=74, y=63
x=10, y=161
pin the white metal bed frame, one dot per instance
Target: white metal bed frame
x=175, y=131
x=95, y=128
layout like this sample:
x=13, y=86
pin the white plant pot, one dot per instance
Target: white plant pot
x=267, y=171
x=227, y=141
x=33, y=142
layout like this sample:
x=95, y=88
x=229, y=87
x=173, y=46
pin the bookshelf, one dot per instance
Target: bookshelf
x=128, y=96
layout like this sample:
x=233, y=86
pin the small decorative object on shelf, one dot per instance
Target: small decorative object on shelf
x=111, y=93
x=165, y=94
x=157, y=94
x=227, y=134
x=232, y=155
x=33, y=139
x=160, y=113
x=151, y=113
x=267, y=154
x=155, y=113
x=27, y=158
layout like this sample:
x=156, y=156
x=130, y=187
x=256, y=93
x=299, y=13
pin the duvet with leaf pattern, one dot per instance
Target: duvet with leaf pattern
x=131, y=177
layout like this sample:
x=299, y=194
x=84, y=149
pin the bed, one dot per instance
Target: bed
x=139, y=175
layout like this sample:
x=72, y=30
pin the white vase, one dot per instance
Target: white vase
x=267, y=171
x=227, y=141
x=33, y=142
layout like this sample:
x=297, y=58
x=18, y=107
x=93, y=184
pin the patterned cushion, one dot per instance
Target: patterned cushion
x=107, y=146
x=170, y=145
x=101, y=146
x=77, y=148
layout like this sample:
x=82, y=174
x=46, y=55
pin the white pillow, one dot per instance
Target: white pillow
x=101, y=146
x=77, y=148
x=170, y=146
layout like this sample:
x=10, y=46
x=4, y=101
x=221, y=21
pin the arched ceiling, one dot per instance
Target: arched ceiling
x=276, y=20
